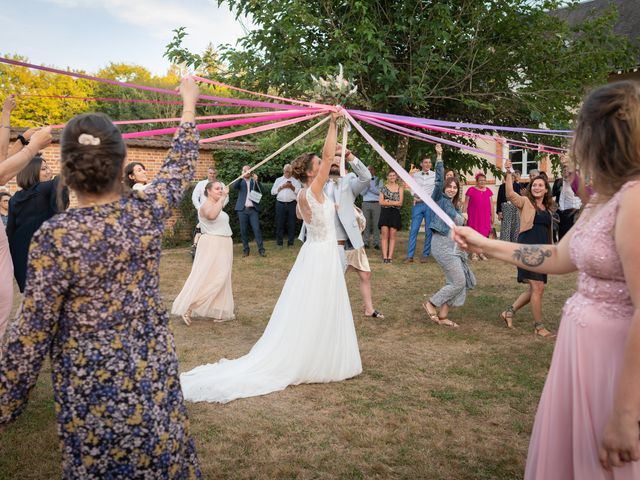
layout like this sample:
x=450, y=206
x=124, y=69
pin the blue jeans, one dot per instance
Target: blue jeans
x=420, y=212
x=249, y=216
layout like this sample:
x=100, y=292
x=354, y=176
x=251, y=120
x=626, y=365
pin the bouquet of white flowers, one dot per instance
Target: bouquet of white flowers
x=334, y=90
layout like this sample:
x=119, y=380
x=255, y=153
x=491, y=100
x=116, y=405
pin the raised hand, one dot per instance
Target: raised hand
x=468, y=239
x=438, y=150
x=29, y=133
x=9, y=105
x=41, y=138
x=190, y=92
x=507, y=166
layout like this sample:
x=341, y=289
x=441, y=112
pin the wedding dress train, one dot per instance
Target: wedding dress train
x=310, y=337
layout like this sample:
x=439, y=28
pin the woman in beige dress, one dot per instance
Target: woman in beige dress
x=207, y=292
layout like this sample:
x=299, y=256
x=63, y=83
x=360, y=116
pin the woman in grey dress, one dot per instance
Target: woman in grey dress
x=452, y=260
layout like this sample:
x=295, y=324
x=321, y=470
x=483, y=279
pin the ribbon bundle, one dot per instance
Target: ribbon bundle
x=287, y=111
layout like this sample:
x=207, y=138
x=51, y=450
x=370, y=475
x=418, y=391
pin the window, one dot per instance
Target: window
x=524, y=160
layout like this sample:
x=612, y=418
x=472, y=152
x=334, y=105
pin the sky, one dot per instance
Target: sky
x=90, y=34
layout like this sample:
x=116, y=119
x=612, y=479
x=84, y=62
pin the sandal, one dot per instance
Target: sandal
x=539, y=330
x=186, y=317
x=375, y=314
x=507, y=316
x=447, y=323
x=433, y=314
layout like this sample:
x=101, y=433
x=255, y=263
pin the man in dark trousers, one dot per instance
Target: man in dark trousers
x=248, y=208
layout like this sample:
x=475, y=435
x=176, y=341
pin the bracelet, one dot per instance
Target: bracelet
x=5, y=126
x=188, y=111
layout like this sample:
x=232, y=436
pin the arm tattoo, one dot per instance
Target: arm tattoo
x=532, y=256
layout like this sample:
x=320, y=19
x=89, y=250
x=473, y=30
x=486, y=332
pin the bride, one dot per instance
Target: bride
x=310, y=337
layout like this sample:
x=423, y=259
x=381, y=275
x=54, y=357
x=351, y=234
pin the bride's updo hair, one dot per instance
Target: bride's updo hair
x=92, y=153
x=302, y=165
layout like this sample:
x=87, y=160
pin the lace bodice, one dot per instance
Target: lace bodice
x=322, y=227
x=593, y=251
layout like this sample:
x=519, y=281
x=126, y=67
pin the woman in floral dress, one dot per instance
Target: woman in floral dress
x=92, y=302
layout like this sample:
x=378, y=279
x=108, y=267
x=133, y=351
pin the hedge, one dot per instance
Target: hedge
x=188, y=218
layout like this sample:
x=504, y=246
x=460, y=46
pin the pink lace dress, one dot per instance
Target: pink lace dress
x=577, y=398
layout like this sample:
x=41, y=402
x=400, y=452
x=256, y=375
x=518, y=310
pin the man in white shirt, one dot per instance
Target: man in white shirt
x=426, y=178
x=198, y=197
x=286, y=190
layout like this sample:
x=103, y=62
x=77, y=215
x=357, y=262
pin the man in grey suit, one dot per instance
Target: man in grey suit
x=343, y=192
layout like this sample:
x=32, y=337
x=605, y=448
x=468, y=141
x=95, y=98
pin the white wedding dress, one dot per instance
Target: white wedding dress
x=310, y=337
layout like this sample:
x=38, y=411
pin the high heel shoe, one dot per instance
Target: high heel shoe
x=186, y=317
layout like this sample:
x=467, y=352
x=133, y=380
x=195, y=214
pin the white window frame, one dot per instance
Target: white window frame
x=525, y=160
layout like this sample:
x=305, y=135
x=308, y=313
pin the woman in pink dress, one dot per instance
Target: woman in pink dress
x=478, y=208
x=10, y=165
x=587, y=421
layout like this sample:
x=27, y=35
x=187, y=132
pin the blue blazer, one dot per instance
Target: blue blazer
x=241, y=186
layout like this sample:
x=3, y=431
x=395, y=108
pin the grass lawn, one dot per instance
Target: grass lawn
x=431, y=403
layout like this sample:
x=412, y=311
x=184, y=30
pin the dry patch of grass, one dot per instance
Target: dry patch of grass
x=431, y=403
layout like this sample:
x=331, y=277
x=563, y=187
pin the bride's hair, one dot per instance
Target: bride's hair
x=302, y=165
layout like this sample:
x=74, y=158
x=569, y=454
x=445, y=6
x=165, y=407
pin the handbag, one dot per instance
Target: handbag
x=255, y=195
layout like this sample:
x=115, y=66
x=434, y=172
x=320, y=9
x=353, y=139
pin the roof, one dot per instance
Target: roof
x=163, y=143
x=628, y=23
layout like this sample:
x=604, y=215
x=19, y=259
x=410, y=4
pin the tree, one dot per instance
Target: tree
x=39, y=111
x=502, y=62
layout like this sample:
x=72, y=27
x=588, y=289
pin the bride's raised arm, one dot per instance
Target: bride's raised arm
x=328, y=152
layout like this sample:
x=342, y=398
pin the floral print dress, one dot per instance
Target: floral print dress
x=92, y=303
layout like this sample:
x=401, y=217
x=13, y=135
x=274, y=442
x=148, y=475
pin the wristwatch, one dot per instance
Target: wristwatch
x=23, y=140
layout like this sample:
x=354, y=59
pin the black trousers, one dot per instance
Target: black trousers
x=567, y=219
x=285, y=214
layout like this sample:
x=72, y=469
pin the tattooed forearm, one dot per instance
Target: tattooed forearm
x=532, y=255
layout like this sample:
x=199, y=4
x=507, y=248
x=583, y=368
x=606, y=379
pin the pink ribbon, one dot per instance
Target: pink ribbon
x=262, y=128
x=234, y=101
x=273, y=97
x=123, y=100
x=177, y=119
x=228, y=123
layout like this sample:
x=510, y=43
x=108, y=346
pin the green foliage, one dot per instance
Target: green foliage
x=37, y=111
x=504, y=62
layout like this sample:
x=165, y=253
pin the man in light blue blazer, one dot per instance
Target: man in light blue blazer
x=343, y=192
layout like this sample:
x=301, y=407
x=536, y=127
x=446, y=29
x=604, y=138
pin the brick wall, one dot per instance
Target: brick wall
x=150, y=152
